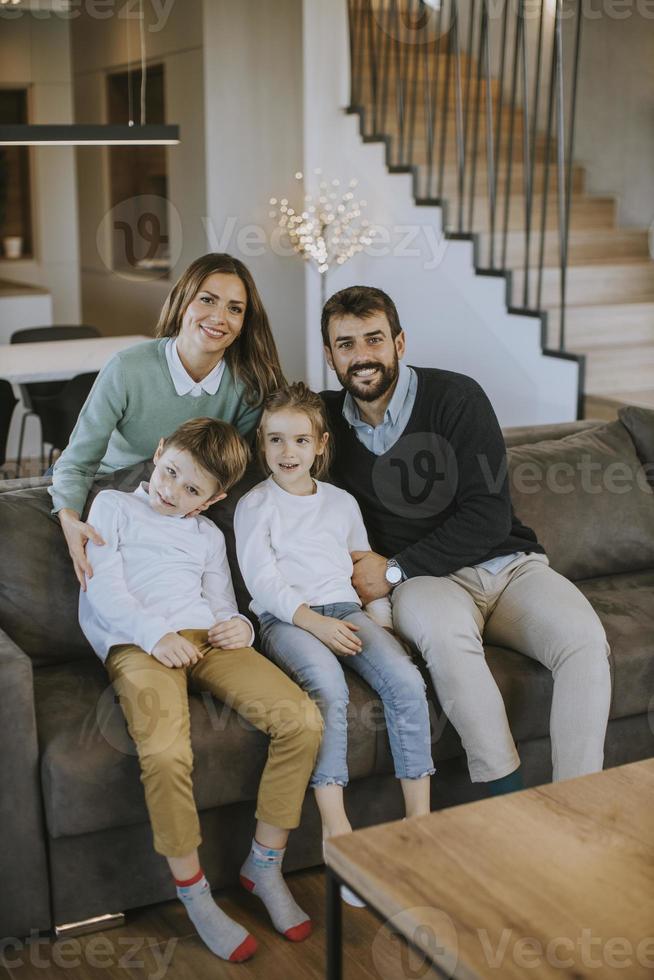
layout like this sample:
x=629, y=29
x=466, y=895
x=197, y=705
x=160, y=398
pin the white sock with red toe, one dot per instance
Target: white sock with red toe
x=262, y=875
x=222, y=935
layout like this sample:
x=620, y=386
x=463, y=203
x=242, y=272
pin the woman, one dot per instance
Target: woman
x=215, y=357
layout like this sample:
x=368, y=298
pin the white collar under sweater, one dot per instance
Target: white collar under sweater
x=184, y=383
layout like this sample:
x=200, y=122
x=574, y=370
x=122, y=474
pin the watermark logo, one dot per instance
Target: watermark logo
x=141, y=237
x=432, y=942
x=418, y=478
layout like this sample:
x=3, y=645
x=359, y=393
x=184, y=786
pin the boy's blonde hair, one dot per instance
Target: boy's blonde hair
x=216, y=446
x=299, y=398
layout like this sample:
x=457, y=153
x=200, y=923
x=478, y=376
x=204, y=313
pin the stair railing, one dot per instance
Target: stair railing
x=457, y=87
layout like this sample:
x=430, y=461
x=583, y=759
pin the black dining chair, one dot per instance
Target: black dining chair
x=8, y=402
x=43, y=389
x=58, y=413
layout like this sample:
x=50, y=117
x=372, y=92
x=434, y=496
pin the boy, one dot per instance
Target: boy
x=160, y=612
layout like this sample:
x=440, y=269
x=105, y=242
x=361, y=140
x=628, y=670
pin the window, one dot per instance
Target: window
x=15, y=206
x=138, y=179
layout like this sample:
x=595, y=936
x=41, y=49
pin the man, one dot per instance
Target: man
x=422, y=451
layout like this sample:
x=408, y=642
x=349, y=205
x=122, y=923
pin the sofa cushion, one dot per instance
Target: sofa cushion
x=588, y=500
x=625, y=604
x=640, y=424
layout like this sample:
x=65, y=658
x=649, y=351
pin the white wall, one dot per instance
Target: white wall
x=253, y=96
x=615, y=111
x=35, y=53
x=453, y=319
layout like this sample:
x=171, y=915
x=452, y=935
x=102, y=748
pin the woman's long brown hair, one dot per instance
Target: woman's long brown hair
x=253, y=357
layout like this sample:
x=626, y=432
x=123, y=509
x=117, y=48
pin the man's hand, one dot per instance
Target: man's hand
x=77, y=533
x=369, y=575
x=337, y=634
x=174, y=650
x=231, y=634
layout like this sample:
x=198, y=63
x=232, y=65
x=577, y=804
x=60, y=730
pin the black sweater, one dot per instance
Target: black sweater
x=439, y=499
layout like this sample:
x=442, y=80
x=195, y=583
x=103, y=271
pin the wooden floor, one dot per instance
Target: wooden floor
x=159, y=942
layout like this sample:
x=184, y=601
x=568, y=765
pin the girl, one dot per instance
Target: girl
x=215, y=356
x=294, y=535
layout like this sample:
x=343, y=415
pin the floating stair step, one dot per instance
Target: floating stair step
x=625, y=369
x=629, y=281
x=584, y=247
x=604, y=325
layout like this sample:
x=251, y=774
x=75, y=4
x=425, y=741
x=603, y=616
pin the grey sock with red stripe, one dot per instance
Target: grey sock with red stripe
x=222, y=935
x=262, y=875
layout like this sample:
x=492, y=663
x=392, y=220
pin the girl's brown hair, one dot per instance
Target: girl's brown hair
x=253, y=357
x=299, y=398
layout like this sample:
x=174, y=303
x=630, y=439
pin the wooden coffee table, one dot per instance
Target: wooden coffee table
x=556, y=881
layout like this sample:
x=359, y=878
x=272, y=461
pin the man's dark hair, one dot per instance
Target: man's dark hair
x=362, y=302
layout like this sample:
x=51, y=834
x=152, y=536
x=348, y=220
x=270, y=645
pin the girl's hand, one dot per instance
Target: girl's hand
x=231, y=634
x=337, y=634
x=77, y=533
x=174, y=650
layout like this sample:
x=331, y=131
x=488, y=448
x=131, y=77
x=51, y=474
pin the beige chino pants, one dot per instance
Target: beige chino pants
x=154, y=699
x=529, y=608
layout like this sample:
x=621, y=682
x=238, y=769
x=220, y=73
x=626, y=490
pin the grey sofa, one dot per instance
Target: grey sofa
x=76, y=840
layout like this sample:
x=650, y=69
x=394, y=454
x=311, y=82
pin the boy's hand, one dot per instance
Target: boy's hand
x=337, y=634
x=77, y=533
x=174, y=650
x=231, y=634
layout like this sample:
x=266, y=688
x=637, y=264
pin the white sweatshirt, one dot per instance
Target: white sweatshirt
x=155, y=574
x=294, y=550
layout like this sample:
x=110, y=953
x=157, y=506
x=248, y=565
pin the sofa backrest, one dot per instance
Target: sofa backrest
x=584, y=493
x=587, y=497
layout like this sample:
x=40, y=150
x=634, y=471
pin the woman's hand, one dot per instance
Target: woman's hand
x=231, y=634
x=174, y=650
x=77, y=533
x=337, y=634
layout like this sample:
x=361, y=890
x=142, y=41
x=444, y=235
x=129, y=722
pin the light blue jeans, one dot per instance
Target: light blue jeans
x=384, y=665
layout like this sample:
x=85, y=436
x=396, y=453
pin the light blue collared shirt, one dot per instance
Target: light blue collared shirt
x=380, y=438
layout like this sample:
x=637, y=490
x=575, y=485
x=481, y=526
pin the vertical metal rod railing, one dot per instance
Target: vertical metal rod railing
x=437, y=72
x=428, y=112
x=414, y=22
x=526, y=161
x=548, y=156
x=386, y=60
x=458, y=103
x=475, y=128
x=444, y=128
x=568, y=188
x=450, y=85
x=491, y=180
x=499, y=120
x=372, y=60
x=509, y=163
x=466, y=108
x=560, y=159
x=399, y=91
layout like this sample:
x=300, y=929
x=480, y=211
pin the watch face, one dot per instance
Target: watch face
x=393, y=574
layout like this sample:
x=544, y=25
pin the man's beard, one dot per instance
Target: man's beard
x=372, y=390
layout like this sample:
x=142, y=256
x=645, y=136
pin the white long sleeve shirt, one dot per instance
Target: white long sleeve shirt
x=154, y=575
x=294, y=550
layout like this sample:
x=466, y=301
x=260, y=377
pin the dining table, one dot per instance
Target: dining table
x=60, y=360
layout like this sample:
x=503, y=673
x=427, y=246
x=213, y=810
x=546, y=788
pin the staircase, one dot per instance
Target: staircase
x=445, y=90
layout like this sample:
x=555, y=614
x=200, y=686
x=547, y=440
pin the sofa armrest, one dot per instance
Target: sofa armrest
x=25, y=893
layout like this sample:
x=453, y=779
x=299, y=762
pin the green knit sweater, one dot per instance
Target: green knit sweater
x=132, y=405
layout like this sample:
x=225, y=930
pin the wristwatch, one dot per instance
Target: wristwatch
x=394, y=574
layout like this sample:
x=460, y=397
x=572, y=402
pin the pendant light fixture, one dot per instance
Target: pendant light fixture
x=82, y=134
